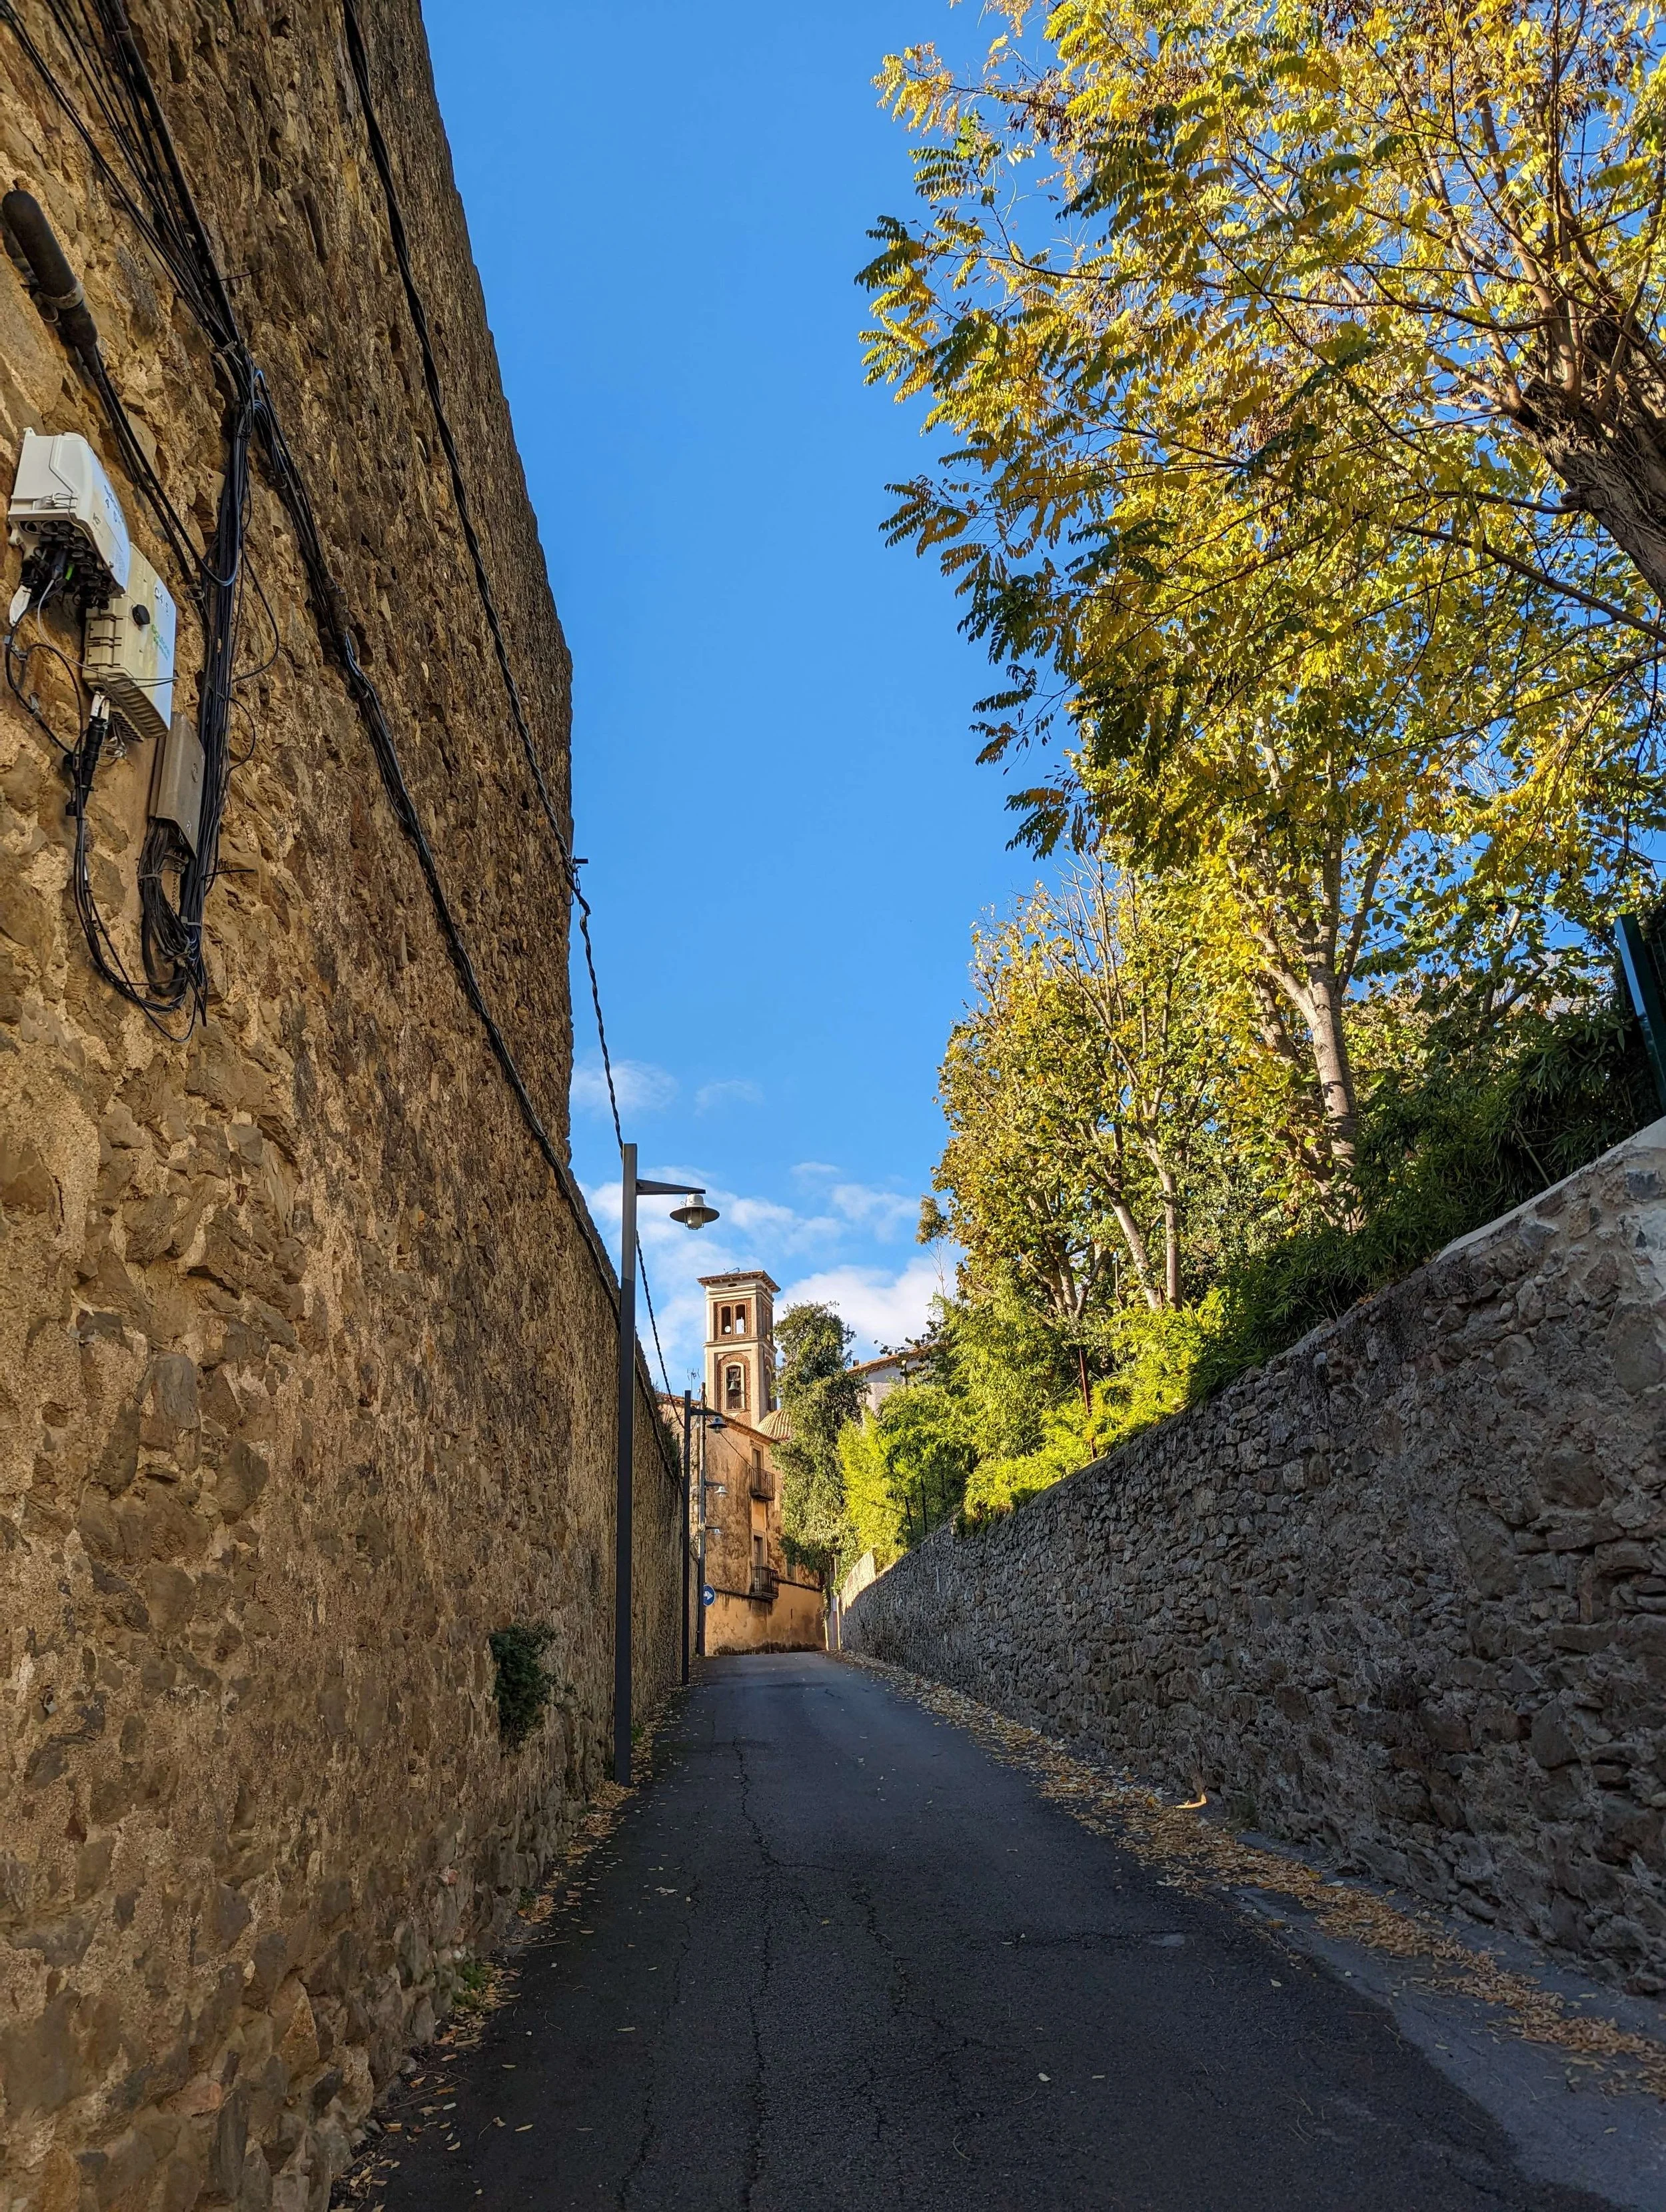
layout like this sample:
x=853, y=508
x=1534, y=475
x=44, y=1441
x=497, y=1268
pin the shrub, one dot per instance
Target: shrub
x=1158, y=1357
x=1464, y=1142
x=524, y=1686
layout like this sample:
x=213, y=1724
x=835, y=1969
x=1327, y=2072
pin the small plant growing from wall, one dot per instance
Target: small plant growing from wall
x=524, y=1685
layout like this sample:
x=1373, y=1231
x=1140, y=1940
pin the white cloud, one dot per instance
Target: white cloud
x=882, y=1307
x=734, y=1091
x=883, y=1213
x=642, y=1087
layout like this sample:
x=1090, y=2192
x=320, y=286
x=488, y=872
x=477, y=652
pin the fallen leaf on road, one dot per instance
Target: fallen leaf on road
x=1210, y=1856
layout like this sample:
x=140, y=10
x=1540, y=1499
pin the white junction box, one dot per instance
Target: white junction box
x=63, y=498
x=176, y=786
x=129, y=650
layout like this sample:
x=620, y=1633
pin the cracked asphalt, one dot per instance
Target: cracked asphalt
x=834, y=1955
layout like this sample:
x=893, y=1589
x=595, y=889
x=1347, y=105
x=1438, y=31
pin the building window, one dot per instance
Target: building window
x=735, y=1389
x=758, y=1555
x=740, y=1320
x=725, y=1321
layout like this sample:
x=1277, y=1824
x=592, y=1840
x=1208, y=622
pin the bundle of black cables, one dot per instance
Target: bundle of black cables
x=176, y=874
x=151, y=188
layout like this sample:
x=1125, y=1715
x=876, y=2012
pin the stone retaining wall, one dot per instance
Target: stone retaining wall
x=305, y=1357
x=1401, y=1593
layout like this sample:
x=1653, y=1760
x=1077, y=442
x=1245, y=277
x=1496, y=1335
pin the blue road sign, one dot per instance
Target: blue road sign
x=709, y=1596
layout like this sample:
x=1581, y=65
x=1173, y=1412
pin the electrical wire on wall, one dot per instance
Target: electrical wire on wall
x=175, y=874
x=148, y=183
x=382, y=162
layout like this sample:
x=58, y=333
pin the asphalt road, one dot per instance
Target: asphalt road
x=836, y=1956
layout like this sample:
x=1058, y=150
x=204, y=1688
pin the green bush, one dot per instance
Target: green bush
x=1444, y=1149
x=1442, y=1153
x=524, y=1686
x=1158, y=1357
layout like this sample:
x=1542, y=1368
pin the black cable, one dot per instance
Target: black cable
x=178, y=229
x=648, y=1296
x=152, y=490
x=171, y=935
x=382, y=162
x=48, y=569
x=336, y=632
x=106, y=960
x=173, y=228
x=384, y=167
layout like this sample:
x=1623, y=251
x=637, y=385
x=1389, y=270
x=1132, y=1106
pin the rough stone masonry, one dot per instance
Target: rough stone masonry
x=306, y=1356
x=1400, y=1593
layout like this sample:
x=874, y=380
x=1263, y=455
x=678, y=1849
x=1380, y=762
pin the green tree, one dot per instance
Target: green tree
x=873, y=1510
x=1089, y=1089
x=1410, y=254
x=1300, y=618
x=905, y=1467
x=1001, y=1364
x=1042, y=1189
x=819, y=1396
x=1154, y=969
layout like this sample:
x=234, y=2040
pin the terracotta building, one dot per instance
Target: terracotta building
x=761, y=1604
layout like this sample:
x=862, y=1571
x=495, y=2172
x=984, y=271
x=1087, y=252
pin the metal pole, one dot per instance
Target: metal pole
x=626, y=1440
x=1638, y=962
x=688, y=1530
x=700, y=1619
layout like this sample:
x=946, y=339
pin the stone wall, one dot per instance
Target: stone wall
x=305, y=1355
x=1401, y=1594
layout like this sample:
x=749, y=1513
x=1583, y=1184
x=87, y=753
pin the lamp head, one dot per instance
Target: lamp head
x=716, y=1421
x=695, y=1213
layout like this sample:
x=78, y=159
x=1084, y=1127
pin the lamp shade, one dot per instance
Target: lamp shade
x=695, y=1214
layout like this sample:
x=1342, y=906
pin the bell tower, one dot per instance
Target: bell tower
x=740, y=1344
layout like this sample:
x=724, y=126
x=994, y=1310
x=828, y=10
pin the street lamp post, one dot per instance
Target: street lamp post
x=707, y=1416
x=695, y=1215
x=688, y=1530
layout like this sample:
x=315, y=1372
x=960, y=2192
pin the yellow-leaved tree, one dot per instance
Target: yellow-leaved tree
x=1255, y=494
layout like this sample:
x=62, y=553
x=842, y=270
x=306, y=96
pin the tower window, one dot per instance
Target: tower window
x=735, y=1389
x=740, y=1320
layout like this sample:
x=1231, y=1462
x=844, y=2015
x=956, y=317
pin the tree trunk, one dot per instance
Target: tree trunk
x=1614, y=488
x=1323, y=1014
x=1137, y=1252
x=1317, y=993
x=1171, y=1233
x=1602, y=430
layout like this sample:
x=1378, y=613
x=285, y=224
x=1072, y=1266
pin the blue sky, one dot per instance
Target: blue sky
x=788, y=841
